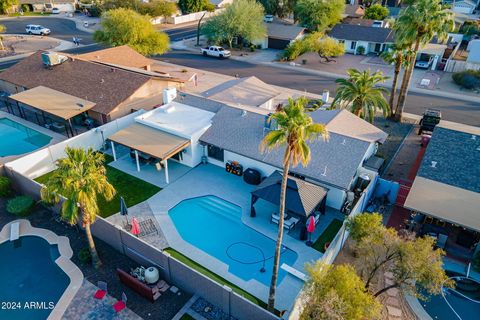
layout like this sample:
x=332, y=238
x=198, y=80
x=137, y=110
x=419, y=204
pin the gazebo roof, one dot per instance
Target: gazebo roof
x=302, y=196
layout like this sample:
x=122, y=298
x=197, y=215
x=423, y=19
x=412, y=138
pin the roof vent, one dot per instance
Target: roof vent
x=434, y=164
x=474, y=137
x=244, y=113
x=102, y=81
x=51, y=59
x=324, y=172
x=344, y=142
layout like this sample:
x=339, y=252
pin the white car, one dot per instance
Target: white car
x=216, y=51
x=268, y=18
x=37, y=29
x=55, y=11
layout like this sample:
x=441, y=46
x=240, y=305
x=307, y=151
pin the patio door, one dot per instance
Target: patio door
x=378, y=47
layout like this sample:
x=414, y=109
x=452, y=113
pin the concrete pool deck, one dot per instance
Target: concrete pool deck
x=63, y=261
x=56, y=137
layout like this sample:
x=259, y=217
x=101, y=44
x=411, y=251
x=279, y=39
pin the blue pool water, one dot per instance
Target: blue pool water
x=461, y=303
x=17, y=139
x=31, y=282
x=214, y=226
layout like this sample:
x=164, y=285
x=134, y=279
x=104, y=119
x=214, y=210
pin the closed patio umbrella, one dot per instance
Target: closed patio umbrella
x=135, y=227
x=124, y=210
x=310, y=229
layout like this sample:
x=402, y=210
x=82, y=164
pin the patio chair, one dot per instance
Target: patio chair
x=162, y=286
x=442, y=241
x=275, y=218
x=102, y=290
x=121, y=304
x=290, y=223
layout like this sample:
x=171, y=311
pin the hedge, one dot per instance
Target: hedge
x=469, y=79
x=20, y=206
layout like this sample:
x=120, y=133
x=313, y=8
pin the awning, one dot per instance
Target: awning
x=445, y=202
x=54, y=102
x=154, y=142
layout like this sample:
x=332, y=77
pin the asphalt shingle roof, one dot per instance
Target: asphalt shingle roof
x=457, y=157
x=361, y=33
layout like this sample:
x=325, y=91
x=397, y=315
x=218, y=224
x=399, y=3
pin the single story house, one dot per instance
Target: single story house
x=353, y=11
x=115, y=90
x=464, y=6
x=48, y=5
x=447, y=185
x=280, y=34
x=371, y=38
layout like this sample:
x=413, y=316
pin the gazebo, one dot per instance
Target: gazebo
x=302, y=199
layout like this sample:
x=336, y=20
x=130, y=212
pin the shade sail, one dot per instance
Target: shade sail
x=154, y=142
x=445, y=202
x=54, y=102
x=302, y=197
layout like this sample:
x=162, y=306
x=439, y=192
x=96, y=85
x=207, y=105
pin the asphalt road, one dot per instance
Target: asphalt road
x=452, y=109
x=60, y=28
x=181, y=33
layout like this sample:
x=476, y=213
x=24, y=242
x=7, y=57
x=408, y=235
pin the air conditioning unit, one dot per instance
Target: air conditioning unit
x=51, y=59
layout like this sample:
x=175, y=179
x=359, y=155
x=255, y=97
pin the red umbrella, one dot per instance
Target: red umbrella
x=135, y=227
x=311, y=225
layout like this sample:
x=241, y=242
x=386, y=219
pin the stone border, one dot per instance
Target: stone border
x=64, y=262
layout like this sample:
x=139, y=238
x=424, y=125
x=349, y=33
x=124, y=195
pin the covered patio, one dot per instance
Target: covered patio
x=303, y=199
x=149, y=146
x=56, y=109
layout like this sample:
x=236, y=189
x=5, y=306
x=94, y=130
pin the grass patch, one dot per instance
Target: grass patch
x=132, y=189
x=215, y=277
x=327, y=235
x=29, y=14
x=186, y=316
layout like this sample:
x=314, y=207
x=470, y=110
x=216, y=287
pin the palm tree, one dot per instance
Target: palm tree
x=399, y=55
x=295, y=129
x=417, y=25
x=2, y=30
x=80, y=178
x=361, y=94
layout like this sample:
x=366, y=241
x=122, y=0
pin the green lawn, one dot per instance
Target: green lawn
x=186, y=316
x=28, y=14
x=132, y=189
x=215, y=277
x=327, y=235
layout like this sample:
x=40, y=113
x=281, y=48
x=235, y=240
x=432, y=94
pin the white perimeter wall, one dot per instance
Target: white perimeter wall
x=43, y=161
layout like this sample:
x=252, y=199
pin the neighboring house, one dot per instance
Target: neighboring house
x=373, y=39
x=353, y=11
x=115, y=90
x=280, y=35
x=366, y=22
x=48, y=5
x=447, y=186
x=473, y=49
x=220, y=3
x=463, y=6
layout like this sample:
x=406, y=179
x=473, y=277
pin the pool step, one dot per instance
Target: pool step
x=220, y=205
x=14, y=231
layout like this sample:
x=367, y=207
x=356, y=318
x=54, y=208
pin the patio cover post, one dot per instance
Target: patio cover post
x=165, y=162
x=113, y=151
x=136, y=160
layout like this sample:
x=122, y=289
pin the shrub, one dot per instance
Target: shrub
x=84, y=256
x=360, y=50
x=468, y=79
x=20, y=206
x=4, y=186
x=299, y=47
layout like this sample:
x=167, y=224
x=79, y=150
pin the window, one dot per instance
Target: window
x=353, y=45
x=215, y=152
x=341, y=41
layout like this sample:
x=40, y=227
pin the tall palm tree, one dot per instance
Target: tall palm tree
x=80, y=178
x=399, y=55
x=417, y=25
x=361, y=94
x=295, y=129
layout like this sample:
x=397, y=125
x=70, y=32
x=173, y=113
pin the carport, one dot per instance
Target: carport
x=149, y=141
x=54, y=103
x=302, y=198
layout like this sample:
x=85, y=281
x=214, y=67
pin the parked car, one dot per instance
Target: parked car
x=37, y=29
x=55, y=11
x=216, y=51
x=424, y=62
x=268, y=18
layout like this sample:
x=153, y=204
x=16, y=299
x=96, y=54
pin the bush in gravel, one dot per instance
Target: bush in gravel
x=468, y=79
x=4, y=186
x=20, y=206
x=84, y=255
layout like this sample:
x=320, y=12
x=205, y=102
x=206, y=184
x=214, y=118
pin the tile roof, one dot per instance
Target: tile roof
x=334, y=162
x=104, y=85
x=456, y=156
x=361, y=33
x=122, y=55
x=281, y=30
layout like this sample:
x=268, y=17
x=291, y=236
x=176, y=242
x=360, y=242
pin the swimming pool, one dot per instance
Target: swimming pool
x=31, y=283
x=15, y=138
x=460, y=303
x=214, y=226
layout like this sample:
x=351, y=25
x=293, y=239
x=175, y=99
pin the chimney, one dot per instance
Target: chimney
x=434, y=164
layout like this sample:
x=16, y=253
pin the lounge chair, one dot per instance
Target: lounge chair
x=275, y=218
x=102, y=290
x=290, y=223
x=121, y=304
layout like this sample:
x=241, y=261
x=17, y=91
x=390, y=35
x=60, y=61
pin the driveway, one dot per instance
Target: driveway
x=343, y=63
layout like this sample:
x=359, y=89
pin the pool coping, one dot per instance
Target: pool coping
x=56, y=137
x=64, y=262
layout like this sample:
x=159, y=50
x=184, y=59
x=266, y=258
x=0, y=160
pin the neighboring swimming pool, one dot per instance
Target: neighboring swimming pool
x=460, y=303
x=31, y=283
x=214, y=226
x=15, y=138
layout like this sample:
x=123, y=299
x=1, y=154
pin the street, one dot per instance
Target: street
x=185, y=32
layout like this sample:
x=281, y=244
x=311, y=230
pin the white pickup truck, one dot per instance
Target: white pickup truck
x=216, y=51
